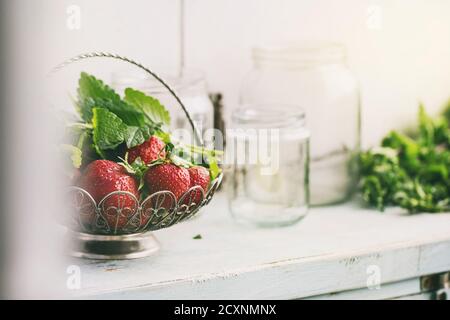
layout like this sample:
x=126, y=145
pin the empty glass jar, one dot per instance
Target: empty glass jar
x=268, y=149
x=314, y=76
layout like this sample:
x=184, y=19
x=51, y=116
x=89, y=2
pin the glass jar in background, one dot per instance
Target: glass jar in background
x=314, y=76
x=268, y=152
x=189, y=85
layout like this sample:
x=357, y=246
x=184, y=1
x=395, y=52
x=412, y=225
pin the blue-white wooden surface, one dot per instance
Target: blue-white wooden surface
x=332, y=250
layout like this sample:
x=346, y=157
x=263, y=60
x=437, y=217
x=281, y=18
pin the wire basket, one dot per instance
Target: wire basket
x=120, y=226
x=121, y=213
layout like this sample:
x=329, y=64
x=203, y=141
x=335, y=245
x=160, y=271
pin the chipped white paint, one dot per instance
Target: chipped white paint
x=328, y=252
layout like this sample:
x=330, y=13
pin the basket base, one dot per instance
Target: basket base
x=90, y=246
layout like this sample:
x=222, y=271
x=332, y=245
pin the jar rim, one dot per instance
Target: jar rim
x=270, y=115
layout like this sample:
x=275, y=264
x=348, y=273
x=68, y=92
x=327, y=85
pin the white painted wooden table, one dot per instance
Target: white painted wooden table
x=334, y=252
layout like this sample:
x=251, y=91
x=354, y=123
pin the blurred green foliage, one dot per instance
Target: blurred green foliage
x=410, y=171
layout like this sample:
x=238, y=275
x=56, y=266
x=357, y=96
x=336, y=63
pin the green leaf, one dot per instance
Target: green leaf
x=164, y=136
x=138, y=168
x=214, y=169
x=151, y=107
x=135, y=136
x=93, y=93
x=407, y=148
x=426, y=127
x=410, y=171
x=109, y=129
x=129, y=114
x=91, y=87
x=75, y=154
x=82, y=139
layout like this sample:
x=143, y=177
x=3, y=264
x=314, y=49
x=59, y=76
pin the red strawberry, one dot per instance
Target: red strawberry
x=199, y=177
x=102, y=177
x=148, y=151
x=168, y=177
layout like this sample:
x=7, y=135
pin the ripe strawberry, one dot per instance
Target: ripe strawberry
x=148, y=151
x=102, y=177
x=199, y=177
x=168, y=177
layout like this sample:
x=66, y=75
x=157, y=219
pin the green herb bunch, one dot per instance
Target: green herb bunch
x=410, y=171
x=107, y=125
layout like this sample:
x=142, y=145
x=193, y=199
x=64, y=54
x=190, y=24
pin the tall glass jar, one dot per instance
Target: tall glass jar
x=267, y=147
x=314, y=76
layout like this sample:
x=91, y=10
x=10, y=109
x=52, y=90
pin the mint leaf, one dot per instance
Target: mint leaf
x=93, y=93
x=91, y=87
x=129, y=114
x=75, y=154
x=151, y=107
x=90, y=91
x=135, y=136
x=109, y=129
x=164, y=136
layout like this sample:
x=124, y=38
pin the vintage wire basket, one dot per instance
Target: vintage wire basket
x=120, y=226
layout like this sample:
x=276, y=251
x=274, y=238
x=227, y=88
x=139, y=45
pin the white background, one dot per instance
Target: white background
x=398, y=49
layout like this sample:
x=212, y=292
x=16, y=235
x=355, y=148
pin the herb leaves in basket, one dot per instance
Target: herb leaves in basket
x=410, y=171
x=116, y=138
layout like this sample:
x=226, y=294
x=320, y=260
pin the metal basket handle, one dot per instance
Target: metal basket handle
x=77, y=58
